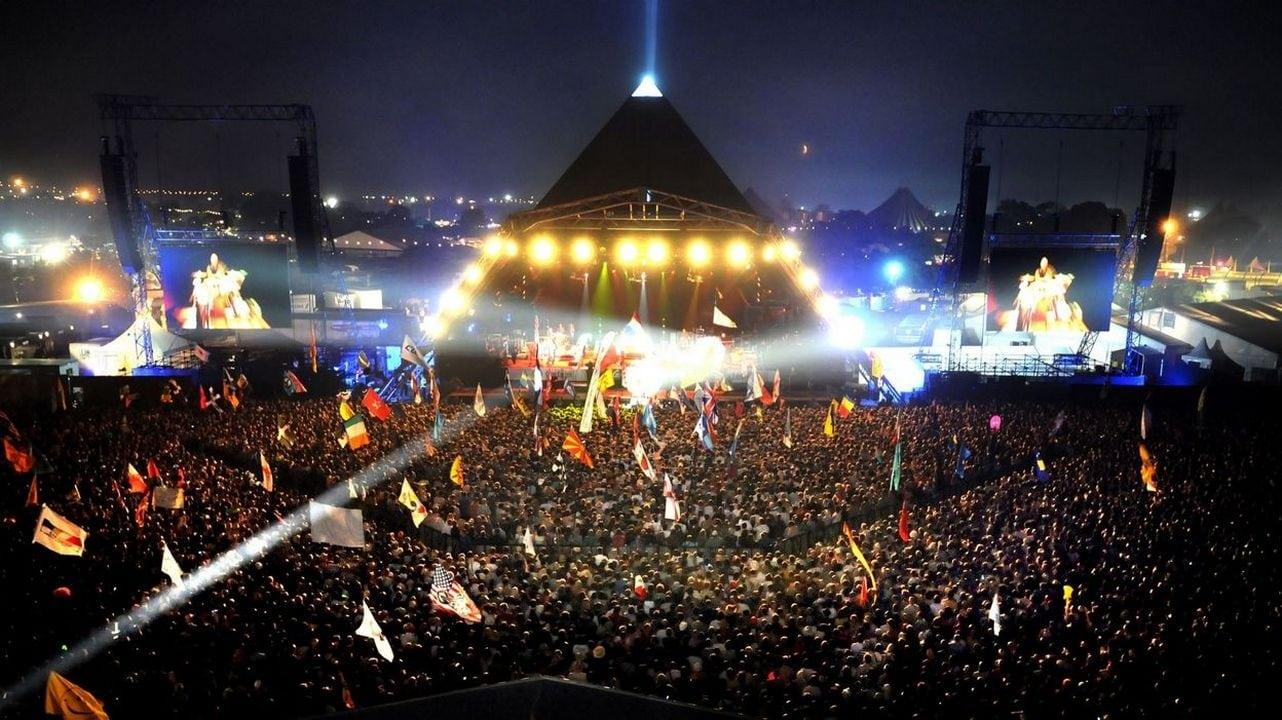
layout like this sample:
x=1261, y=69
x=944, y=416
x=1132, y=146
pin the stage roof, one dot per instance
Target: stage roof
x=1256, y=320
x=646, y=144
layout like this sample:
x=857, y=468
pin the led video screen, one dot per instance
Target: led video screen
x=225, y=286
x=1050, y=289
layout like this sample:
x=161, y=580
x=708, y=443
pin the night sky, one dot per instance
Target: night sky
x=483, y=98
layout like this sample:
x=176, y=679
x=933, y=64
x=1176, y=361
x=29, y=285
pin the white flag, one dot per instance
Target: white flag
x=721, y=319
x=995, y=614
x=671, y=506
x=527, y=539
x=59, y=534
x=336, y=525
x=369, y=628
x=410, y=353
x=410, y=500
x=169, y=565
x=478, y=404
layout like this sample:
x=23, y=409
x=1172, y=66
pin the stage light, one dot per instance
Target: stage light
x=53, y=253
x=627, y=253
x=452, y=301
x=656, y=252
x=493, y=246
x=769, y=253
x=739, y=254
x=84, y=194
x=893, y=270
x=698, y=253
x=89, y=290
x=472, y=274
x=510, y=248
x=543, y=250
x=846, y=331
x=826, y=306
x=808, y=278
x=583, y=250
x=1170, y=227
x=433, y=326
x=331, y=202
x=12, y=240
x=790, y=250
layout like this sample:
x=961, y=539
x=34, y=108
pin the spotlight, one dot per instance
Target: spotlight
x=510, y=248
x=542, y=250
x=53, y=253
x=826, y=306
x=583, y=250
x=846, y=331
x=893, y=270
x=698, y=253
x=769, y=253
x=739, y=254
x=790, y=250
x=1170, y=227
x=89, y=290
x=472, y=274
x=493, y=246
x=808, y=278
x=656, y=252
x=434, y=326
x=452, y=301
x=626, y=251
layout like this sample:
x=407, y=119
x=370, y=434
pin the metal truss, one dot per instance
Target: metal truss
x=638, y=209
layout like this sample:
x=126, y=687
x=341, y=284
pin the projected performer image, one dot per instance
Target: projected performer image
x=216, y=302
x=1042, y=304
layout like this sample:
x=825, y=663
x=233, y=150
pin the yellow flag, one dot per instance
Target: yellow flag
x=829, y=429
x=69, y=700
x=456, y=471
x=607, y=380
x=846, y=405
x=854, y=549
x=345, y=410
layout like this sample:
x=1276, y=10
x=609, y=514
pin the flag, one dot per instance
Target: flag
x=349, y=702
x=537, y=383
x=69, y=700
x=1068, y=600
x=844, y=407
x=168, y=498
x=293, y=385
x=1059, y=423
x=312, y=351
x=410, y=353
x=517, y=402
x=787, y=428
x=362, y=360
x=19, y=455
x=409, y=499
x=351, y=489
x=140, y=511
x=574, y=445
x=369, y=628
x=854, y=549
x=527, y=539
x=345, y=411
x=1146, y=422
x=639, y=588
x=336, y=525
x=153, y=470
x=1201, y=405
x=428, y=446
x=904, y=533
x=756, y=389
x=376, y=406
x=242, y=383
x=202, y=400
x=169, y=565
x=283, y=437
x=829, y=428
x=201, y=354
x=963, y=454
x=1148, y=469
x=671, y=505
x=416, y=389
x=720, y=319
x=995, y=614
x=456, y=471
x=648, y=420
x=268, y=485
x=1039, y=468
x=863, y=592
x=136, y=483
x=734, y=444
x=354, y=426
x=33, y=493
x=896, y=468
x=448, y=596
x=614, y=413
x=775, y=395
x=638, y=451
x=478, y=403
x=607, y=379
x=58, y=533
x=438, y=424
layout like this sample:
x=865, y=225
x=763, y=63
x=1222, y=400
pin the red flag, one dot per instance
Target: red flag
x=140, y=511
x=136, y=483
x=610, y=358
x=574, y=445
x=153, y=472
x=268, y=485
x=376, y=406
x=33, y=493
x=863, y=592
x=903, y=523
x=19, y=455
x=182, y=478
x=638, y=587
x=204, y=400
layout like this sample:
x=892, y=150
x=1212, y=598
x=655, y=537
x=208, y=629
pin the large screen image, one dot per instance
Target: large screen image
x=225, y=286
x=1050, y=289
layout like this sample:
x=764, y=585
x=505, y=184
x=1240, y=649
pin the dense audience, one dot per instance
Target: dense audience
x=1174, y=606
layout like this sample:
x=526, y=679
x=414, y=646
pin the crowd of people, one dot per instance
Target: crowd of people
x=1172, y=609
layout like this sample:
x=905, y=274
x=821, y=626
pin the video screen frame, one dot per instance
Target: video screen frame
x=225, y=285
x=1048, y=288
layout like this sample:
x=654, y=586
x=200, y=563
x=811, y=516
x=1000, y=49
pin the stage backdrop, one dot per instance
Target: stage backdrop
x=225, y=286
x=1050, y=288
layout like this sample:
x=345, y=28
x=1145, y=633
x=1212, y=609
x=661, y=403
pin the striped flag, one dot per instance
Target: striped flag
x=574, y=445
x=59, y=534
x=268, y=485
x=354, y=427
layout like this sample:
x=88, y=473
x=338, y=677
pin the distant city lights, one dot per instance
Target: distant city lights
x=331, y=202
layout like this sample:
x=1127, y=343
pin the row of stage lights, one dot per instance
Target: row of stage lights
x=543, y=251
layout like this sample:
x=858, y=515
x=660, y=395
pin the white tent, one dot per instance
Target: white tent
x=121, y=355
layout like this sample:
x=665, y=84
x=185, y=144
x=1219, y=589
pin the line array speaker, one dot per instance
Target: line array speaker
x=972, y=246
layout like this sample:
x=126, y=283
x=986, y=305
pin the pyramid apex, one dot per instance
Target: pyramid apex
x=647, y=88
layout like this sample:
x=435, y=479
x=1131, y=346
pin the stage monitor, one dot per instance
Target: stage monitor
x=225, y=286
x=1041, y=289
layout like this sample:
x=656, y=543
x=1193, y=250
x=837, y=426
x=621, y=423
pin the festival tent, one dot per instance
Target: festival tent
x=121, y=355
